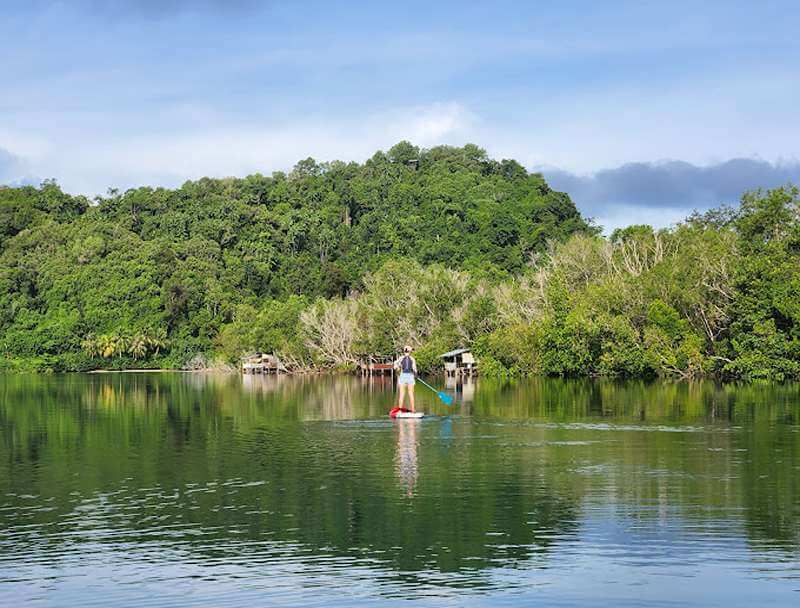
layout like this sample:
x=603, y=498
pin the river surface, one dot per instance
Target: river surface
x=203, y=490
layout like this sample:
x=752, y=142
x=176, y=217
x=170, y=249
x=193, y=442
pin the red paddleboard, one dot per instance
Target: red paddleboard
x=401, y=412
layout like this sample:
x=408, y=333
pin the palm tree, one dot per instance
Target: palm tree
x=122, y=344
x=156, y=340
x=106, y=345
x=138, y=346
x=90, y=346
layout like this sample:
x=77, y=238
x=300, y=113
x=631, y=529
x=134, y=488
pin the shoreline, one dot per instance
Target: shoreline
x=159, y=370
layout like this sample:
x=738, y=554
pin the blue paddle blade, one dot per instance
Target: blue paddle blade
x=446, y=399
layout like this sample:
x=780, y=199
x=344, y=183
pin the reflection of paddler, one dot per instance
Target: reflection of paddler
x=406, y=457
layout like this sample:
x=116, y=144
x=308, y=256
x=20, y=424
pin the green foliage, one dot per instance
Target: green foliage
x=137, y=346
x=273, y=328
x=718, y=294
x=25, y=207
x=435, y=248
x=508, y=351
x=765, y=330
x=218, y=264
x=666, y=318
x=440, y=341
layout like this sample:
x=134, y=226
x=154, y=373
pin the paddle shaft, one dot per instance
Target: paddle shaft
x=428, y=385
x=441, y=394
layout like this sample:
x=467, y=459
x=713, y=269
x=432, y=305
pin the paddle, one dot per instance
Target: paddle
x=446, y=399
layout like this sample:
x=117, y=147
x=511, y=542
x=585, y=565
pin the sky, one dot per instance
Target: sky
x=641, y=111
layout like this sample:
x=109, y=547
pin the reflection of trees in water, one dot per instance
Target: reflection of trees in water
x=770, y=482
x=473, y=505
x=265, y=383
x=337, y=483
x=463, y=387
x=647, y=401
x=320, y=397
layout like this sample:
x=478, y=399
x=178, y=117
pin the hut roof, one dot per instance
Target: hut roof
x=454, y=353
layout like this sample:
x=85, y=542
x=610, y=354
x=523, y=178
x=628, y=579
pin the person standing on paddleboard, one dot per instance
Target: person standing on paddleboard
x=407, y=366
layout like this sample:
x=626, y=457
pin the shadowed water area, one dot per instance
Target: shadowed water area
x=203, y=490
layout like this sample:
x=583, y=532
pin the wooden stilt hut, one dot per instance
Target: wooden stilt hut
x=459, y=362
x=262, y=363
x=376, y=366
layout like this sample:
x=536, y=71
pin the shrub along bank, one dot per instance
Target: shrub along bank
x=437, y=248
x=717, y=295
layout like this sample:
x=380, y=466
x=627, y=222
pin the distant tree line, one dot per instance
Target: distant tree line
x=155, y=276
x=438, y=248
x=717, y=295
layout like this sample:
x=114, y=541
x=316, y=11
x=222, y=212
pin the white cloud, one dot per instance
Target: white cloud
x=620, y=216
x=14, y=170
x=91, y=166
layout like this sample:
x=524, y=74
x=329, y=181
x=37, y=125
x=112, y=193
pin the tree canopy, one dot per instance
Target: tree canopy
x=152, y=276
x=436, y=248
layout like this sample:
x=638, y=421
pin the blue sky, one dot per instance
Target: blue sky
x=641, y=110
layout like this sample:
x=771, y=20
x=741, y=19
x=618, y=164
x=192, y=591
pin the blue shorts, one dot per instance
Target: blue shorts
x=406, y=378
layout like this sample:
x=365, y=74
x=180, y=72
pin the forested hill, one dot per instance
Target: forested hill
x=161, y=271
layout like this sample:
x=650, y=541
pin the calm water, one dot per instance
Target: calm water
x=175, y=490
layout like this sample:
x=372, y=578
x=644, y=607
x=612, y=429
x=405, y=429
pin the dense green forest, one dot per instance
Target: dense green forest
x=437, y=248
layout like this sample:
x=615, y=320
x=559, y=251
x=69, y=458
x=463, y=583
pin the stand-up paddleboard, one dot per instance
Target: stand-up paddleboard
x=401, y=412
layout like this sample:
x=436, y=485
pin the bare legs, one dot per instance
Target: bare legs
x=403, y=390
x=401, y=394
